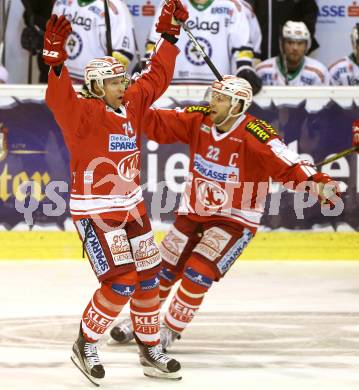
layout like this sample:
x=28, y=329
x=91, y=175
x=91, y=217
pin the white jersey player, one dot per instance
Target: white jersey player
x=346, y=70
x=293, y=67
x=221, y=27
x=255, y=34
x=88, y=37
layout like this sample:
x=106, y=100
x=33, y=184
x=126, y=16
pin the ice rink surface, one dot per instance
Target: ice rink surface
x=267, y=325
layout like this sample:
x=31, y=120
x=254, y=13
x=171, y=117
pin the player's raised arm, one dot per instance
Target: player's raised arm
x=60, y=95
x=170, y=126
x=154, y=80
x=57, y=31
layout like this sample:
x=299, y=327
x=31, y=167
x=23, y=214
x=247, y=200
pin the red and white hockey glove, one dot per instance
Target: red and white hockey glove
x=172, y=10
x=57, y=31
x=325, y=188
x=356, y=134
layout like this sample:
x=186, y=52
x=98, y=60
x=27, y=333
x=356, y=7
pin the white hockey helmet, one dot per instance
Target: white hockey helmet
x=103, y=68
x=355, y=37
x=237, y=88
x=297, y=31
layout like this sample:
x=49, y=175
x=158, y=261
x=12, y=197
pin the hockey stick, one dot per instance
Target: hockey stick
x=108, y=28
x=285, y=68
x=201, y=51
x=137, y=50
x=2, y=44
x=29, y=69
x=337, y=156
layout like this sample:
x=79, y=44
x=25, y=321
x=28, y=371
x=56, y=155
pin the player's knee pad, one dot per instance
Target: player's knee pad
x=168, y=276
x=119, y=288
x=147, y=289
x=197, y=275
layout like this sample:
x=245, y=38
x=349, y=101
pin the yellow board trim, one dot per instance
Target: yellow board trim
x=265, y=246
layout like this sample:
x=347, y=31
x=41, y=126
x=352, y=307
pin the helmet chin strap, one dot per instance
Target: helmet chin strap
x=230, y=115
x=100, y=88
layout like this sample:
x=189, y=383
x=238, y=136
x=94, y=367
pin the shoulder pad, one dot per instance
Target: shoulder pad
x=203, y=109
x=260, y=129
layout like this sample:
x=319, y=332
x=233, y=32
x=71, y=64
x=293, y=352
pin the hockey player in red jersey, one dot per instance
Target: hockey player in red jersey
x=102, y=131
x=232, y=156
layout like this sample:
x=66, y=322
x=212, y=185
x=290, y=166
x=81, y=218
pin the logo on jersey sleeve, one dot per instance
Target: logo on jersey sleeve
x=213, y=171
x=205, y=128
x=204, y=109
x=193, y=55
x=261, y=130
x=121, y=143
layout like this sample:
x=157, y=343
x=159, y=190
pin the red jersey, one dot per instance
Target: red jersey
x=104, y=144
x=229, y=172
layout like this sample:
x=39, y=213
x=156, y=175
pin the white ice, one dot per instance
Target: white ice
x=266, y=325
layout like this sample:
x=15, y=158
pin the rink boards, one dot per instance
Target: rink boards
x=266, y=245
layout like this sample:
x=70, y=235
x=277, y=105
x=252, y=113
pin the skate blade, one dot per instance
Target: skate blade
x=153, y=372
x=93, y=380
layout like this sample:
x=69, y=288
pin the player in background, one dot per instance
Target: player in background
x=88, y=37
x=272, y=15
x=222, y=28
x=233, y=155
x=255, y=34
x=102, y=131
x=293, y=67
x=346, y=70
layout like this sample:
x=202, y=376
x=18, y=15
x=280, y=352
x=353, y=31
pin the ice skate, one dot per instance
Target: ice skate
x=168, y=337
x=86, y=359
x=121, y=333
x=156, y=364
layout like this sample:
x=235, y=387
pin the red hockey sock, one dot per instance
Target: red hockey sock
x=106, y=304
x=145, y=315
x=197, y=278
x=146, y=323
x=96, y=319
x=168, y=278
x=165, y=289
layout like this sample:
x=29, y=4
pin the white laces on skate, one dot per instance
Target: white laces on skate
x=157, y=354
x=92, y=358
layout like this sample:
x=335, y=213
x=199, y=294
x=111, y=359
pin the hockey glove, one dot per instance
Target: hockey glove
x=32, y=39
x=57, y=31
x=356, y=134
x=325, y=188
x=167, y=23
